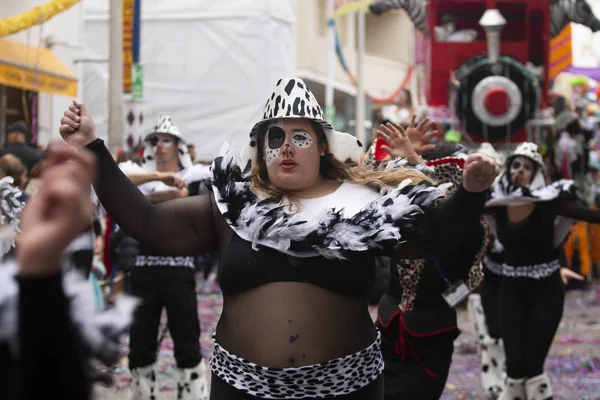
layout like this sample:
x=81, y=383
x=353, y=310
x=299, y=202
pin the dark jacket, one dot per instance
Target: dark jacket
x=25, y=153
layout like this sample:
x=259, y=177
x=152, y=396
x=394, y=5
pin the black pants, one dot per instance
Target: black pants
x=175, y=289
x=221, y=390
x=530, y=312
x=407, y=379
x=490, y=300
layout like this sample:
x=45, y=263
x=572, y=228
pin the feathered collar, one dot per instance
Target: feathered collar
x=504, y=193
x=380, y=225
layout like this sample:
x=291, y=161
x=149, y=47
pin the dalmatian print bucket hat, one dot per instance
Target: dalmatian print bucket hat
x=531, y=151
x=291, y=98
x=165, y=125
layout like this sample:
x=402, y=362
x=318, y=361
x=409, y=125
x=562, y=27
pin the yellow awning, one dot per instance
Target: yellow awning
x=20, y=62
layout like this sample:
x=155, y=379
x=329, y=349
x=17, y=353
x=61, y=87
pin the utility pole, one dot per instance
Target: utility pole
x=360, y=92
x=115, y=77
x=329, y=89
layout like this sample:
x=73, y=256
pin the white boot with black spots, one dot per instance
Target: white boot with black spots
x=514, y=389
x=538, y=388
x=143, y=383
x=493, y=366
x=193, y=383
x=476, y=315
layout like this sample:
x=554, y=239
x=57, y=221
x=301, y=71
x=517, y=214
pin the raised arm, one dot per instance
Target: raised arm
x=182, y=226
x=454, y=220
x=178, y=227
x=571, y=208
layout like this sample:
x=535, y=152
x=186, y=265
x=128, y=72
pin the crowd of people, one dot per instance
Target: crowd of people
x=300, y=224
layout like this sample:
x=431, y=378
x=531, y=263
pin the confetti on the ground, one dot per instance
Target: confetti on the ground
x=573, y=364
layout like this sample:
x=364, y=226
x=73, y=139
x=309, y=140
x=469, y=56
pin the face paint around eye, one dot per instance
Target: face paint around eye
x=302, y=140
x=166, y=142
x=275, y=138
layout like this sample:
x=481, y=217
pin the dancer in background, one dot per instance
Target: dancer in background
x=417, y=322
x=164, y=281
x=523, y=212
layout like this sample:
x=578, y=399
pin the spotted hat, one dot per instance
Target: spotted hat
x=291, y=98
x=489, y=151
x=165, y=126
x=531, y=151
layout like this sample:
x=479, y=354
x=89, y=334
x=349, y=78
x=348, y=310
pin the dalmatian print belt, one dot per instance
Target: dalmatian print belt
x=536, y=271
x=330, y=379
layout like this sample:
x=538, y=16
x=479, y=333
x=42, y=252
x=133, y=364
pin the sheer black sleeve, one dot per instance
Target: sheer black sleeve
x=449, y=224
x=177, y=227
x=51, y=357
x=571, y=208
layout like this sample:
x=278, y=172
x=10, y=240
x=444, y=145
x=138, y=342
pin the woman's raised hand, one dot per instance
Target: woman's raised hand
x=76, y=126
x=479, y=173
x=399, y=144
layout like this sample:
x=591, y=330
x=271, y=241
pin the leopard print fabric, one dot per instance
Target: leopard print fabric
x=409, y=272
x=448, y=173
x=330, y=379
x=475, y=275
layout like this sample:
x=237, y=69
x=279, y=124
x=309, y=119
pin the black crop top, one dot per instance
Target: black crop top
x=243, y=268
x=194, y=225
x=531, y=241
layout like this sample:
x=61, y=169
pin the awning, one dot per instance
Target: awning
x=36, y=69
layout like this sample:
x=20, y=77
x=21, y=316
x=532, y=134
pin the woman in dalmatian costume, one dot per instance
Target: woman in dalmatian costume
x=165, y=281
x=51, y=335
x=298, y=223
x=531, y=219
x=416, y=316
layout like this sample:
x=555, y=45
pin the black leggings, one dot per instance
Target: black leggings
x=530, y=312
x=490, y=299
x=175, y=289
x=407, y=379
x=221, y=390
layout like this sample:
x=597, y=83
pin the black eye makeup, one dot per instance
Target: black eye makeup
x=275, y=138
x=517, y=164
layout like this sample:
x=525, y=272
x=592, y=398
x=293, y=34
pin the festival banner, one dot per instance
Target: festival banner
x=561, y=53
x=128, y=29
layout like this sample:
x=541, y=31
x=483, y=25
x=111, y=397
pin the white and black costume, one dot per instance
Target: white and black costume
x=532, y=292
x=50, y=329
x=294, y=321
x=166, y=282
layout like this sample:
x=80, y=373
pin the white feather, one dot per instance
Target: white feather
x=98, y=329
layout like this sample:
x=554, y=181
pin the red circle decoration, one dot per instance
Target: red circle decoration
x=497, y=101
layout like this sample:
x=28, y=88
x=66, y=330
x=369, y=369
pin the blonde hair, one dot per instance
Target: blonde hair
x=333, y=169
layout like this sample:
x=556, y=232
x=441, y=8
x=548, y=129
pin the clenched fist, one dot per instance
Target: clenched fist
x=76, y=126
x=479, y=173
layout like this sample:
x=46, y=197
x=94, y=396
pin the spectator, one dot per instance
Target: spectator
x=16, y=135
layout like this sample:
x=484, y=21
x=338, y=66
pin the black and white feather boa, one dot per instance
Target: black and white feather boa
x=504, y=193
x=381, y=225
x=10, y=213
x=100, y=331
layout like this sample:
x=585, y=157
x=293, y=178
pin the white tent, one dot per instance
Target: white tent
x=209, y=63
